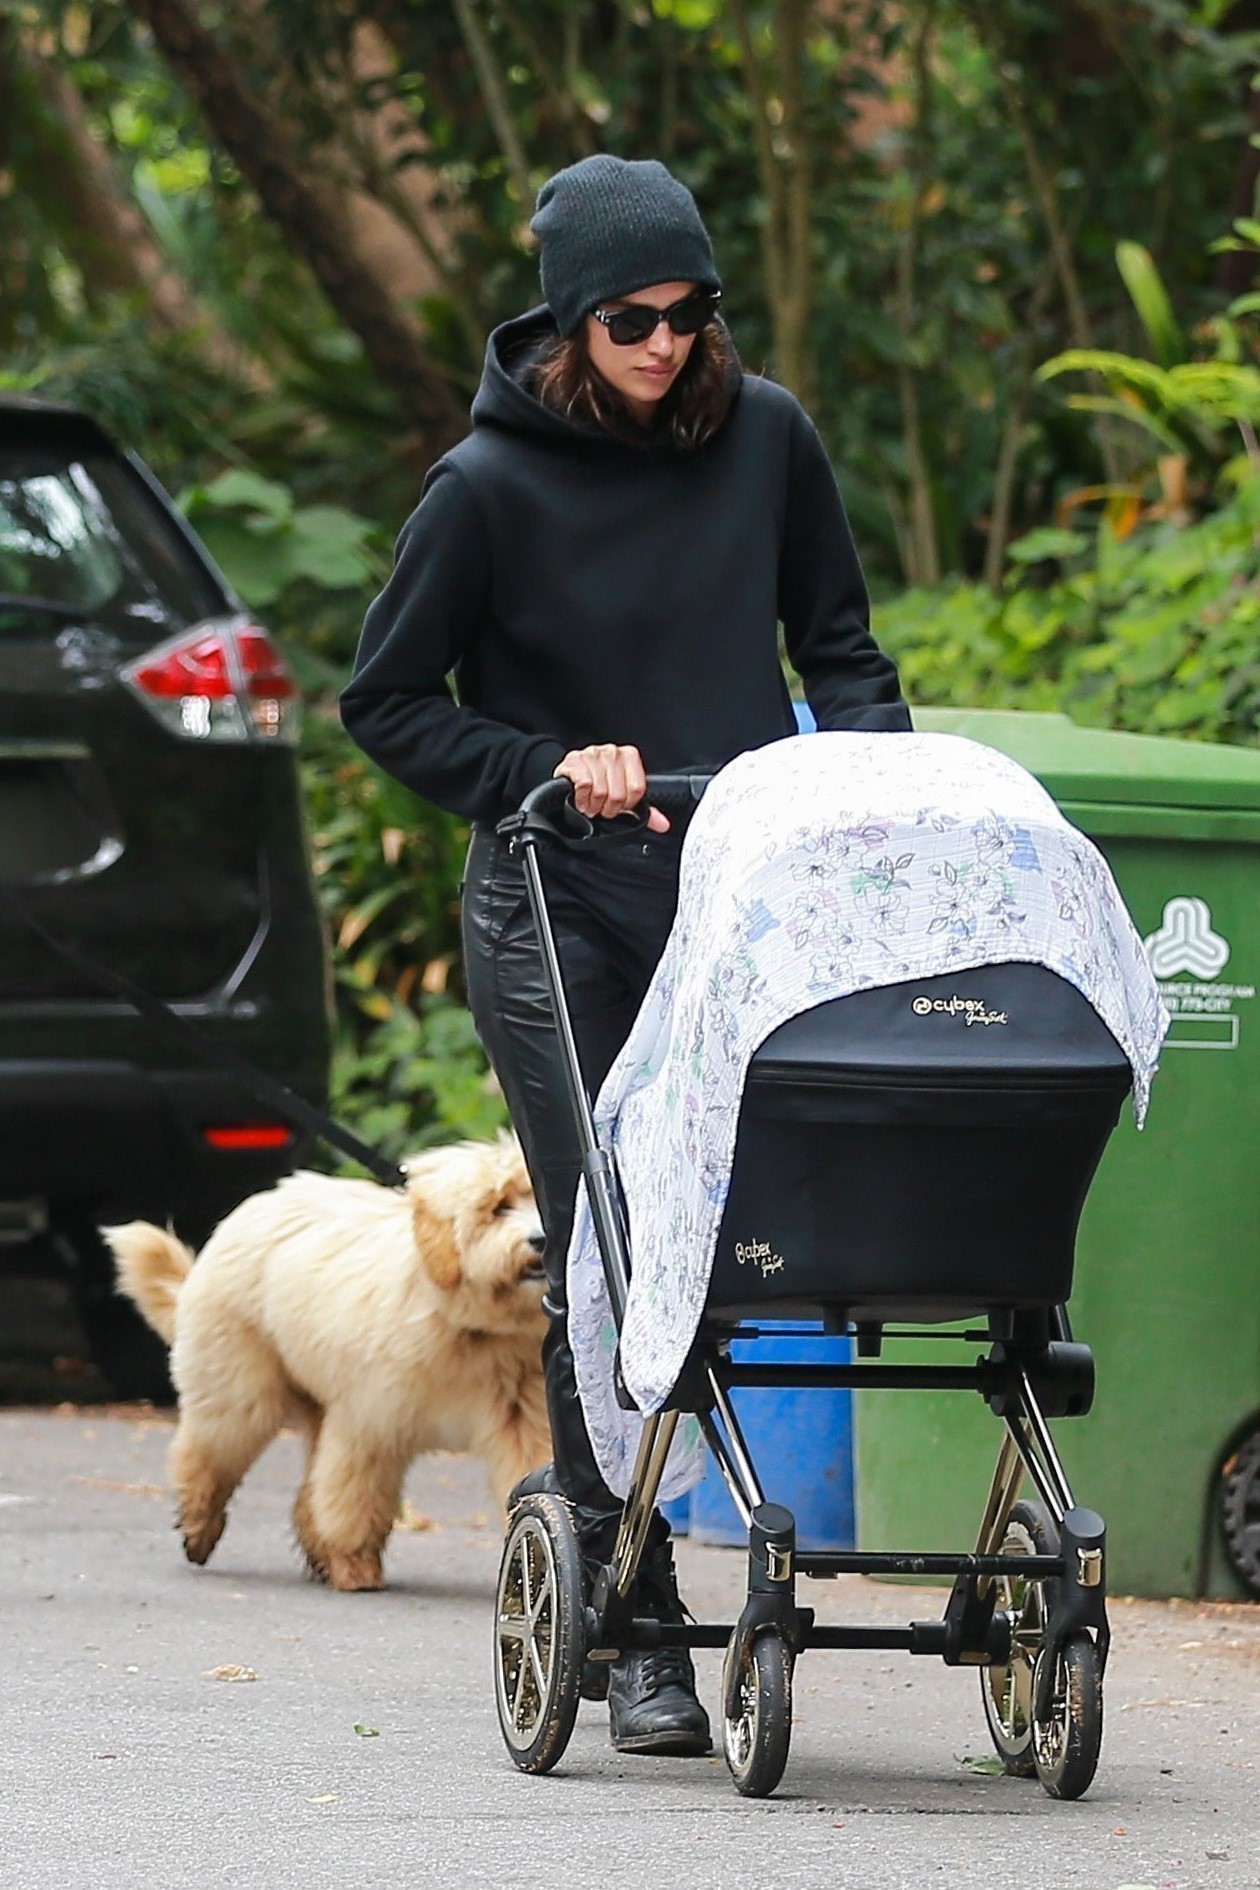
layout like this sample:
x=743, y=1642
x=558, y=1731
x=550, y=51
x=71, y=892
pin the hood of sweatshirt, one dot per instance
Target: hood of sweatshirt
x=505, y=400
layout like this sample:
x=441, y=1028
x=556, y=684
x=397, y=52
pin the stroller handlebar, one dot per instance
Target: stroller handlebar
x=548, y=811
x=676, y=793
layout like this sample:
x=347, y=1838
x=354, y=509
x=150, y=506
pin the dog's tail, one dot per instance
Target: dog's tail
x=151, y=1266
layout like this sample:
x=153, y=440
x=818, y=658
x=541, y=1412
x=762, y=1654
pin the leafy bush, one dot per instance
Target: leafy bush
x=265, y=541
x=417, y=1078
x=1158, y=632
x=407, y=1067
x=1194, y=410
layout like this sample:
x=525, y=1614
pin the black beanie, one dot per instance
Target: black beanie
x=607, y=227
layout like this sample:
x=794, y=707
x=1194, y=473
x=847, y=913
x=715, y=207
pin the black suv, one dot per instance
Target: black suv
x=150, y=817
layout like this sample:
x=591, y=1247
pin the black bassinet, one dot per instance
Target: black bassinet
x=919, y=1150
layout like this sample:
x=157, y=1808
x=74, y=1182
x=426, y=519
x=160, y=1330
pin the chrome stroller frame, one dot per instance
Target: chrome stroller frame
x=1027, y=1605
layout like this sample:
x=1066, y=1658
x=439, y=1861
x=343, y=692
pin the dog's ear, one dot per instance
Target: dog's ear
x=436, y=1245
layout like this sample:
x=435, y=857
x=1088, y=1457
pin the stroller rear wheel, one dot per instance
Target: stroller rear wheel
x=1007, y=1691
x=539, y=1633
x=756, y=1740
x=1061, y=1748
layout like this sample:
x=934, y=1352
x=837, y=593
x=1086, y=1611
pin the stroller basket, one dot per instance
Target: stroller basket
x=919, y=1150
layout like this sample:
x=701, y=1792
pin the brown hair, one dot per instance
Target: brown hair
x=691, y=413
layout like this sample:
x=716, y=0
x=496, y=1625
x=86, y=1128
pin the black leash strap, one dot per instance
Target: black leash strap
x=285, y=1101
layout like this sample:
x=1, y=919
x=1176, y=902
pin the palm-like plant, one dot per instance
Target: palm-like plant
x=1193, y=409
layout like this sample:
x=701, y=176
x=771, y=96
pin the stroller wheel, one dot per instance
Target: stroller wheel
x=1007, y=1691
x=1066, y=1743
x=756, y=1740
x=538, y=1648
x=1241, y=1515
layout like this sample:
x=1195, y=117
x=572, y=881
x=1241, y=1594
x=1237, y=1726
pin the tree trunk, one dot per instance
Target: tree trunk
x=781, y=138
x=924, y=563
x=494, y=96
x=308, y=213
x=1236, y=268
x=791, y=25
x=1039, y=176
x=404, y=229
x=71, y=172
x=564, y=107
x=1008, y=452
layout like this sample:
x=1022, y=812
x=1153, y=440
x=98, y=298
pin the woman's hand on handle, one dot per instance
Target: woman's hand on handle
x=607, y=780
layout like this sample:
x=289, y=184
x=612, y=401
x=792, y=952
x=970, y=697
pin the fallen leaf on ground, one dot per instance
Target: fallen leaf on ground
x=409, y=1517
x=988, y=1764
x=229, y=1673
x=367, y=1732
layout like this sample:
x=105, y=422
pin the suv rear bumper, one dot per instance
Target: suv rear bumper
x=120, y=1141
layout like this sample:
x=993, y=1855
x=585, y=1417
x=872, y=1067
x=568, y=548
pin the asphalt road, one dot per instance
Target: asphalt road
x=366, y=1750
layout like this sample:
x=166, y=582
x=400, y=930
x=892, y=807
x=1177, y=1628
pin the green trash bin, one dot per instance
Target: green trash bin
x=1168, y=1262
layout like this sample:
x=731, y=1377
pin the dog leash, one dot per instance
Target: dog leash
x=285, y=1101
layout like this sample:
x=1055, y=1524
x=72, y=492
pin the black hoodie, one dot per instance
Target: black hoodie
x=585, y=588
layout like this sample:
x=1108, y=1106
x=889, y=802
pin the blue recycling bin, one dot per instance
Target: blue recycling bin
x=801, y=1444
x=678, y=1515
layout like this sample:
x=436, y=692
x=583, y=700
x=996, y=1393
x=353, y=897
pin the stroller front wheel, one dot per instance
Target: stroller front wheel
x=1067, y=1742
x=757, y=1738
x=539, y=1633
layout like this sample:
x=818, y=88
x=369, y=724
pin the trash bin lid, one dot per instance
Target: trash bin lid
x=1113, y=783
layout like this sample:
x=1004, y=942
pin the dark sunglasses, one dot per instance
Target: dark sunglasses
x=629, y=326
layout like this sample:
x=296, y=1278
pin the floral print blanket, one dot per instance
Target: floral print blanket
x=815, y=867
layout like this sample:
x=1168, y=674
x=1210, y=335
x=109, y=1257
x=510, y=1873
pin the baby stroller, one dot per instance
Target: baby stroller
x=957, y=1163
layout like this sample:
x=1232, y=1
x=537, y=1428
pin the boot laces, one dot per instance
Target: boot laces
x=662, y=1667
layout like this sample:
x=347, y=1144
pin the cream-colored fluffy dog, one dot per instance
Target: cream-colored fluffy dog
x=381, y=1323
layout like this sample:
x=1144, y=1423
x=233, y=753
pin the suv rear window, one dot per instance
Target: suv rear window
x=81, y=533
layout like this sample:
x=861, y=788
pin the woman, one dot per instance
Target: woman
x=603, y=563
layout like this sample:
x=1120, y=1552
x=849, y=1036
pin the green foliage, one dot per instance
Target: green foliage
x=407, y=1068
x=1193, y=409
x=1150, y=299
x=415, y=1079
x=372, y=837
x=1158, y=633
x=264, y=541
x=1189, y=405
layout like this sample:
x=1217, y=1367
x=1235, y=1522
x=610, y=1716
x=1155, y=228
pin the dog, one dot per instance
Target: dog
x=378, y=1322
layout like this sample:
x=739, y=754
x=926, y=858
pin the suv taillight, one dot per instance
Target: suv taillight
x=222, y=681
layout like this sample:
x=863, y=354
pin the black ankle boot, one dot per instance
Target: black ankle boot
x=652, y=1704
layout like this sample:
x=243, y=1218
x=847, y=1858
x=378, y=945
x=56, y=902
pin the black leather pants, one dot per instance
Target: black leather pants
x=611, y=913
